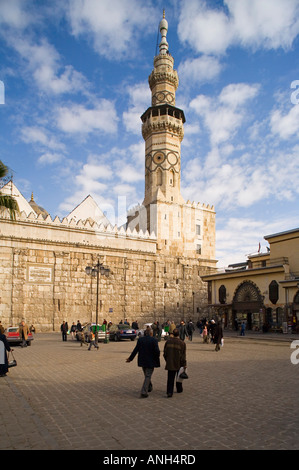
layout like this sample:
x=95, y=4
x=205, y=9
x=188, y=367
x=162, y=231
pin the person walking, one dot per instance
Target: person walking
x=205, y=334
x=92, y=341
x=190, y=329
x=4, y=346
x=175, y=357
x=64, y=330
x=171, y=328
x=183, y=333
x=218, y=335
x=24, y=332
x=159, y=331
x=81, y=336
x=243, y=329
x=211, y=329
x=148, y=352
x=73, y=331
x=155, y=329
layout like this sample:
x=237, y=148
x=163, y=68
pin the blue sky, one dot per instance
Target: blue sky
x=74, y=76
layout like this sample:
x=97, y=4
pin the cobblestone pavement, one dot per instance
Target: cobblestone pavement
x=62, y=396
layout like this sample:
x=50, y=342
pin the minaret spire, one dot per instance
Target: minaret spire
x=163, y=46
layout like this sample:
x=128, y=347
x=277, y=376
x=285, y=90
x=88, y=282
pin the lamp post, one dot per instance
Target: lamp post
x=95, y=271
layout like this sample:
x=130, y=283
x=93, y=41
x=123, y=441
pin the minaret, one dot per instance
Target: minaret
x=182, y=229
x=163, y=130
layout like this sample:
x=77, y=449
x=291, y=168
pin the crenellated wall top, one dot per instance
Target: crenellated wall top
x=101, y=230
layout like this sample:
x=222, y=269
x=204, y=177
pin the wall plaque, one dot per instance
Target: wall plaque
x=40, y=274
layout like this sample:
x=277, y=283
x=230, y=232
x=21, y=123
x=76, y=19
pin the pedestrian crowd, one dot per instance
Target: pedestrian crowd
x=174, y=352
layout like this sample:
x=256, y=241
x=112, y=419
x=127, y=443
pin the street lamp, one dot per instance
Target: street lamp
x=95, y=271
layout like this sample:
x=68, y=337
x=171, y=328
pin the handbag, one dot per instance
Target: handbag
x=183, y=375
x=13, y=362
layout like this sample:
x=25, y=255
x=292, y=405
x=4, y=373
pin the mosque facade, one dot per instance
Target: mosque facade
x=156, y=261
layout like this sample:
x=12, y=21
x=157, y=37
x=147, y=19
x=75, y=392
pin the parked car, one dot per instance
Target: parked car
x=141, y=331
x=13, y=336
x=122, y=331
x=102, y=335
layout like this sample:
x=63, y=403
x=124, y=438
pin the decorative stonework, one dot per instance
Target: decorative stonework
x=170, y=125
x=163, y=97
x=156, y=78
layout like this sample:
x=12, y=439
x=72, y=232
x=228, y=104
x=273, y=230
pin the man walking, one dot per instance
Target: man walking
x=218, y=336
x=183, y=333
x=64, y=329
x=148, y=358
x=24, y=332
x=175, y=357
x=190, y=329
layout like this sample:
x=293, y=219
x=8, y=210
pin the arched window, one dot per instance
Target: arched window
x=222, y=294
x=273, y=292
x=171, y=178
x=159, y=177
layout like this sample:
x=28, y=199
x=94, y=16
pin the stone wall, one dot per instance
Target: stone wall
x=44, y=281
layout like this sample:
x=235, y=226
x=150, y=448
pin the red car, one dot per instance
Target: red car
x=13, y=336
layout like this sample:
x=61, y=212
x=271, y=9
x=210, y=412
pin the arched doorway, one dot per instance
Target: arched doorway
x=248, y=305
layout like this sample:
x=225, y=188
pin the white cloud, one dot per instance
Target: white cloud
x=136, y=154
x=238, y=237
x=79, y=119
x=50, y=158
x=40, y=136
x=205, y=30
x=267, y=24
x=285, y=125
x=44, y=64
x=224, y=115
x=127, y=172
x=139, y=101
x=112, y=25
x=200, y=70
x=236, y=94
x=244, y=181
x=14, y=15
x=92, y=171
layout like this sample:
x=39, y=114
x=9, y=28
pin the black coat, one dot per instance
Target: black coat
x=218, y=335
x=4, y=367
x=148, y=352
x=183, y=331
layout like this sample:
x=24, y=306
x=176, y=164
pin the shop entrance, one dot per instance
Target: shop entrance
x=247, y=305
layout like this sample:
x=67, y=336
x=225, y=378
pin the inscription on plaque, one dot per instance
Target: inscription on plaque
x=40, y=274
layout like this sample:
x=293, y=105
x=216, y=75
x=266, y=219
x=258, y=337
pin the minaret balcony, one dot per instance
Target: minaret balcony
x=163, y=111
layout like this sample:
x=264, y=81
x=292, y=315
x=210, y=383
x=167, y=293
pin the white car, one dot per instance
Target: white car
x=140, y=332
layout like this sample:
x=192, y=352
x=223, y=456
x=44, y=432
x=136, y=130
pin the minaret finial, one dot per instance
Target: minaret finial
x=163, y=30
